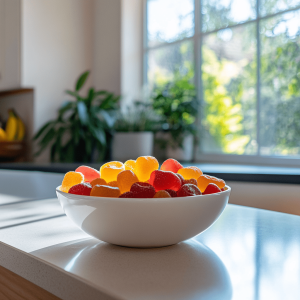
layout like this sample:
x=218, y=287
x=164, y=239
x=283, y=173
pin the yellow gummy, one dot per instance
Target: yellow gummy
x=130, y=164
x=110, y=170
x=70, y=179
x=190, y=172
x=144, y=166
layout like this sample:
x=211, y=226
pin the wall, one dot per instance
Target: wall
x=131, y=50
x=9, y=44
x=107, y=45
x=57, y=45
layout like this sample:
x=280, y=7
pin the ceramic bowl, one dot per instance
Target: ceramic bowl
x=142, y=222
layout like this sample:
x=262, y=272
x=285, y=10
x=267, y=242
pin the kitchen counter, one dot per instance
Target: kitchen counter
x=248, y=254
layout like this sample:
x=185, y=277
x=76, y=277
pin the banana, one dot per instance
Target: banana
x=2, y=135
x=11, y=126
x=21, y=129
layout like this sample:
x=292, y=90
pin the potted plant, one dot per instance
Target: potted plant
x=81, y=131
x=176, y=103
x=134, y=132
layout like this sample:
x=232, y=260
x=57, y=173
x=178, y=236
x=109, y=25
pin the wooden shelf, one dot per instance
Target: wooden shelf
x=15, y=92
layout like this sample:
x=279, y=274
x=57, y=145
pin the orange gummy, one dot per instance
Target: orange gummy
x=70, y=179
x=204, y=180
x=105, y=191
x=129, y=164
x=99, y=181
x=125, y=180
x=110, y=170
x=144, y=166
x=162, y=194
x=190, y=172
x=113, y=184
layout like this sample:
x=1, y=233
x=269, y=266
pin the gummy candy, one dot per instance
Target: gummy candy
x=142, y=190
x=171, y=165
x=162, y=194
x=190, y=172
x=211, y=189
x=105, y=191
x=191, y=181
x=171, y=192
x=113, y=184
x=144, y=166
x=99, y=181
x=188, y=190
x=204, y=180
x=125, y=180
x=180, y=177
x=128, y=195
x=81, y=189
x=70, y=179
x=88, y=173
x=110, y=170
x=129, y=164
x=162, y=180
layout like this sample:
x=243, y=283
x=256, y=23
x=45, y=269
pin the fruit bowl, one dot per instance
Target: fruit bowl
x=11, y=149
x=143, y=222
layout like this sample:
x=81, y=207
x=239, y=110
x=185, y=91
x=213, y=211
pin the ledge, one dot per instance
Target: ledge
x=228, y=172
x=15, y=91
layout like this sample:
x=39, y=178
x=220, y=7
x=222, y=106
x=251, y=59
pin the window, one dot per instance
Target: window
x=244, y=58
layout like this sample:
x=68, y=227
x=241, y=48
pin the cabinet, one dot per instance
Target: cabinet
x=10, y=44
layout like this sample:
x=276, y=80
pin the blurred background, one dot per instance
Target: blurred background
x=95, y=80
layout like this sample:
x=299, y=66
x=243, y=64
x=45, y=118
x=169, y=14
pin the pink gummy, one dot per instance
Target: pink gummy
x=211, y=189
x=88, y=173
x=188, y=190
x=171, y=192
x=142, y=190
x=81, y=189
x=163, y=180
x=171, y=165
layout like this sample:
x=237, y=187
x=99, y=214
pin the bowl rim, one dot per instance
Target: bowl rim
x=92, y=198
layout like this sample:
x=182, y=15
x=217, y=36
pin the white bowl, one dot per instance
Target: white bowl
x=143, y=222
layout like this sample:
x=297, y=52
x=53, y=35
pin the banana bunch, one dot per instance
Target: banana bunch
x=15, y=128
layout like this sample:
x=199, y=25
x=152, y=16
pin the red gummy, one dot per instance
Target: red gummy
x=88, y=173
x=142, y=190
x=181, y=178
x=171, y=165
x=81, y=189
x=128, y=195
x=211, y=189
x=188, y=190
x=171, y=192
x=163, y=180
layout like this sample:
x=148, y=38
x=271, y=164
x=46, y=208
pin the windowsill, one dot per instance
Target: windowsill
x=228, y=172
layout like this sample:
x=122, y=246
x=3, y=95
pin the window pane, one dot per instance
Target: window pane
x=219, y=14
x=164, y=63
x=280, y=85
x=229, y=89
x=169, y=20
x=273, y=6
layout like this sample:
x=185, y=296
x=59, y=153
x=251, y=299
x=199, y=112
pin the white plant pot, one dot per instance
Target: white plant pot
x=131, y=145
x=185, y=154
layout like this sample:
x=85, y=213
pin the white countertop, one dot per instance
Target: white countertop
x=247, y=254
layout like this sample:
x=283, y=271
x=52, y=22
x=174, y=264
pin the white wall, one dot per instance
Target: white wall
x=107, y=45
x=57, y=45
x=9, y=44
x=131, y=50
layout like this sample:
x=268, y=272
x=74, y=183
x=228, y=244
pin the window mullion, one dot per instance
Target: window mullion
x=258, y=100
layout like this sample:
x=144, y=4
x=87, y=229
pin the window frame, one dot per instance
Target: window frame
x=197, y=38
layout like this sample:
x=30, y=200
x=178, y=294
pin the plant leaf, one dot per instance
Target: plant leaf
x=81, y=81
x=41, y=131
x=75, y=94
x=82, y=112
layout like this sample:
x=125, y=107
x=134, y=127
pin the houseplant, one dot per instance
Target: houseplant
x=134, y=131
x=176, y=103
x=81, y=131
